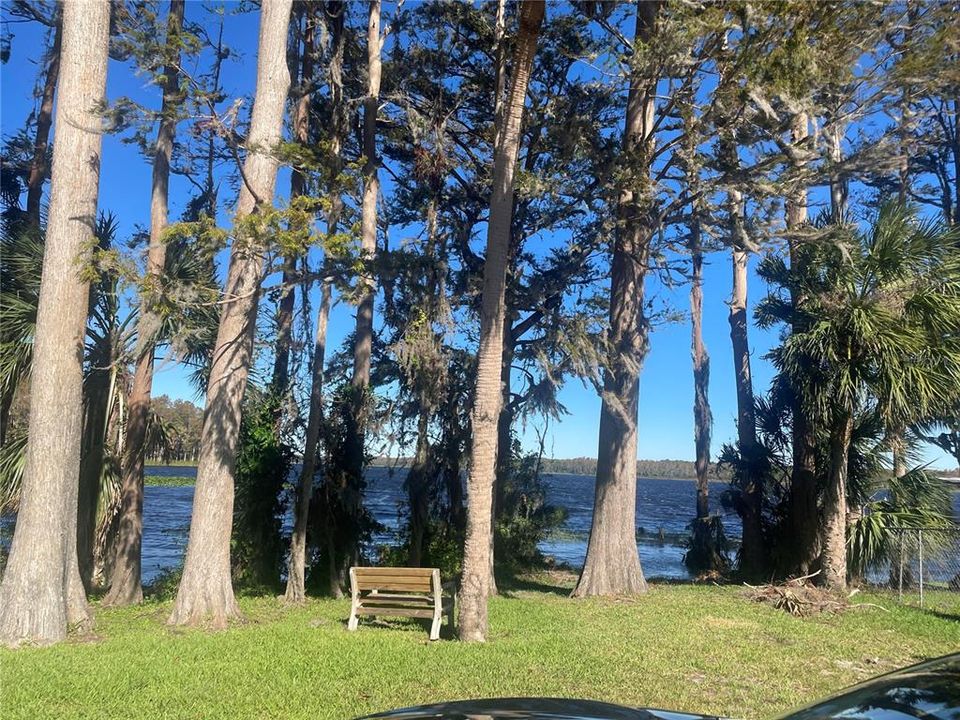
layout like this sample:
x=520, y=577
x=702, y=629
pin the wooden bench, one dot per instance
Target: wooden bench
x=399, y=592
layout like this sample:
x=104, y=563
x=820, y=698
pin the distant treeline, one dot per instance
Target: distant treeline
x=681, y=469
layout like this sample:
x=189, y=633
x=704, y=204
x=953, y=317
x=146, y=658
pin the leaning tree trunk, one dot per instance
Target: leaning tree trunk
x=834, y=528
x=475, y=587
x=802, y=511
x=206, y=591
x=355, y=445
x=38, y=164
x=301, y=135
x=612, y=564
x=41, y=591
x=296, y=569
x=702, y=419
x=125, y=578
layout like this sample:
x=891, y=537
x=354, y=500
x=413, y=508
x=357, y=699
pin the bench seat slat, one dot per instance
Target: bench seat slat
x=405, y=586
x=395, y=612
x=374, y=600
x=391, y=571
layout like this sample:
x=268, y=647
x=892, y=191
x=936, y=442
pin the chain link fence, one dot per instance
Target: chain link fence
x=920, y=561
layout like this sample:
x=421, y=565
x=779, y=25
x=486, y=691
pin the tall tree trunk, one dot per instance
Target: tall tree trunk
x=296, y=571
x=753, y=549
x=41, y=591
x=301, y=135
x=834, y=527
x=612, y=564
x=800, y=544
x=702, y=418
x=839, y=190
x=206, y=591
x=125, y=579
x=363, y=335
x=486, y=410
x=38, y=165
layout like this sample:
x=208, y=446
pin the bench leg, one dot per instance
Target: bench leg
x=435, y=627
x=352, y=622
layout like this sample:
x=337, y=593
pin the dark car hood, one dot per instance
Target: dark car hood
x=531, y=709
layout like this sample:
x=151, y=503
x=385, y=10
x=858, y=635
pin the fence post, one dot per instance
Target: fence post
x=920, y=543
x=900, y=578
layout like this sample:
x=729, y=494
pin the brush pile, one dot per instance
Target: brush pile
x=799, y=597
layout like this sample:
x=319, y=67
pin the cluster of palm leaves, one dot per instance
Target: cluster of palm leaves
x=873, y=346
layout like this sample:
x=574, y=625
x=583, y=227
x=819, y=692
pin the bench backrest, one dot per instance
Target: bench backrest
x=395, y=579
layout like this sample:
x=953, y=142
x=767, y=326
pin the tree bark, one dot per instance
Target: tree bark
x=612, y=564
x=206, y=591
x=702, y=418
x=280, y=378
x=296, y=569
x=41, y=591
x=38, y=165
x=834, y=527
x=475, y=588
x=125, y=579
x=802, y=512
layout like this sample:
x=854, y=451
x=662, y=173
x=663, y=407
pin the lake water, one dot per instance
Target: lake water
x=665, y=505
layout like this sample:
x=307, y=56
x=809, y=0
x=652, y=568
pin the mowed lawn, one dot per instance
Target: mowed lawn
x=684, y=647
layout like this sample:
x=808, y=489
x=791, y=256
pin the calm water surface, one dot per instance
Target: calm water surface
x=661, y=504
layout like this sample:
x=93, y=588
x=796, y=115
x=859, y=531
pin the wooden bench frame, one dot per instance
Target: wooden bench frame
x=400, y=592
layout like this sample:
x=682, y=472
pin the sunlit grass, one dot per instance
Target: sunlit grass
x=694, y=648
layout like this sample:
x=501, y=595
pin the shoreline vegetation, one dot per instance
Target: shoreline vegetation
x=646, y=469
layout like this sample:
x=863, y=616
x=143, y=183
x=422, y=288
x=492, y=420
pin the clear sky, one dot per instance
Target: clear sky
x=666, y=416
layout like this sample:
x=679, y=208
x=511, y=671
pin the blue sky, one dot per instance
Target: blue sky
x=666, y=419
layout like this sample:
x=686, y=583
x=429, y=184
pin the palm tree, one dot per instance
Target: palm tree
x=476, y=557
x=880, y=322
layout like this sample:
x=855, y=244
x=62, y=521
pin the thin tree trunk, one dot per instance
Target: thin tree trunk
x=355, y=447
x=41, y=591
x=301, y=135
x=702, y=418
x=834, y=527
x=475, y=588
x=838, y=185
x=38, y=165
x=417, y=493
x=206, y=591
x=296, y=571
x=125, y=580
x=612, y=564
x=800, y=544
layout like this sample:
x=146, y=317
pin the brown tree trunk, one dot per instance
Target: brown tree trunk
x=206, y=591
x=702, y=418
x=417, y=491
x=296, y=569
x=38, y=165
x=41, y=590
x=475, y=588
x=301, y=135
x=125, y=579
x=834, y=528
x=355, y=447
x=612, y=564
x=296, y=572
x=800, y=544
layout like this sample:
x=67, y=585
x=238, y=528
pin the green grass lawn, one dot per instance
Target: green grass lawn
x=685, y=647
